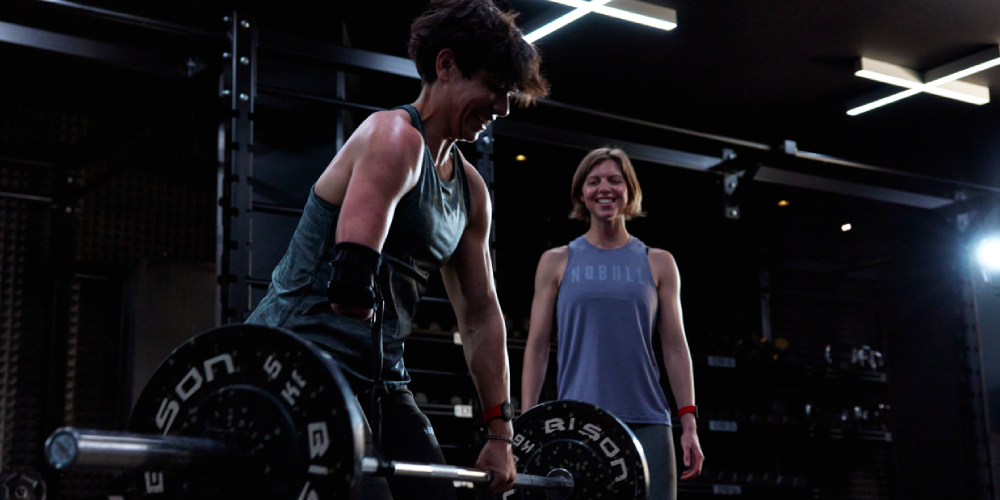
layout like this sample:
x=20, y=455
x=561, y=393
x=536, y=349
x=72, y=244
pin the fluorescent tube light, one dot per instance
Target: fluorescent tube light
x=943, y=81
x=575, y=14
x=634, y=11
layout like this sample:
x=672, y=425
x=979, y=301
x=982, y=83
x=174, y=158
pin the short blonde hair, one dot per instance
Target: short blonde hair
x=593, y=158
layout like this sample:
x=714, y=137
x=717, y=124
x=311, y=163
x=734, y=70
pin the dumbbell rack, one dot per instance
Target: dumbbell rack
x=782, y=421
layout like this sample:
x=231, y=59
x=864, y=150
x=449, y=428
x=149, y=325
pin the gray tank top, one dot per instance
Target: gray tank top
x=606, y=311
x=426, y=228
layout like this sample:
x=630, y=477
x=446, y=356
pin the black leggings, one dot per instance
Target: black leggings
x=407, y=436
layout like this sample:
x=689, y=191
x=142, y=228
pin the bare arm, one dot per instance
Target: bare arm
x=551, y=266
x=676, y=355
x=468, y=278
x=379, y=164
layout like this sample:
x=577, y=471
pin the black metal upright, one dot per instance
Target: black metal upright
x=237, y=90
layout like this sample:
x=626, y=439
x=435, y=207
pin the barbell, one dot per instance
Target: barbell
x=247, y=412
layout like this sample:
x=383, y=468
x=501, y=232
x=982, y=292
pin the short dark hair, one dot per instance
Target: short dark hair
x=482, y=37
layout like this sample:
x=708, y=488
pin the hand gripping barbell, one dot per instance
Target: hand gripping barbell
x=251, y=412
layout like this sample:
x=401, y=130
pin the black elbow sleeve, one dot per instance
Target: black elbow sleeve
x=353, y=272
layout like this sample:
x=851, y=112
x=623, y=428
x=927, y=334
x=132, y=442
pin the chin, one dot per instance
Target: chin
x=471, y=135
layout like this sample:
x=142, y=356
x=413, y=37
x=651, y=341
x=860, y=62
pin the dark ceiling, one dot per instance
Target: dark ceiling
x=768, y=71
x=764, y=71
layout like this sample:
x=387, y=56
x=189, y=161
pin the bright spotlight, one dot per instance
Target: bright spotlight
x=845, y=228
x=988, y=254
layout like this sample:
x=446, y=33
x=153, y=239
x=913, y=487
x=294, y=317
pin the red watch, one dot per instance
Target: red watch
x=502, y=410
x=688, y=409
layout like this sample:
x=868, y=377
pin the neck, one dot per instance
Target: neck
x=607, y=234
x=433, y=117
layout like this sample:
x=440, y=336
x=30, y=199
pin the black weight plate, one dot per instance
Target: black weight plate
x=601, y=453
x=280, y=403
x=22, y=485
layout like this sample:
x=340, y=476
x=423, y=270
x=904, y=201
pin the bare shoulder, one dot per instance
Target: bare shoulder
x=661, y=257
x=552, y=265
x=385, y=145
x=664, y=267
x=388, y=130
x=552, y=256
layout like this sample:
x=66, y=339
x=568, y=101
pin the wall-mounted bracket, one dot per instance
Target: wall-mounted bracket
x=737, y=174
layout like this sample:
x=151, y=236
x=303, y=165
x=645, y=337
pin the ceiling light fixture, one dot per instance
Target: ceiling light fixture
x=783, y=203
x=907, y=78
x=520, y=157
x=563, y=20
x=628, y=10
x=635, y=11
x=941, y=81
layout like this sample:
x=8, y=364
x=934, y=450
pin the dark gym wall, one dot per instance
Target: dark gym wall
x=167, y=303
x=99, y=174
x=23, y=311
x=934, y=428
x=987, y=315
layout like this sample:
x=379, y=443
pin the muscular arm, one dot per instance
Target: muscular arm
x=468, y=278
x=676, y=355
x=536, y=353
x=377, y=166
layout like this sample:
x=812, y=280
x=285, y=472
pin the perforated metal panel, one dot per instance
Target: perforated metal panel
x=12, y=247
x=23, y=229
x=162, y=208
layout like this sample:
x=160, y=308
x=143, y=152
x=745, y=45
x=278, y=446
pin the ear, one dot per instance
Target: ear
x=445, y=65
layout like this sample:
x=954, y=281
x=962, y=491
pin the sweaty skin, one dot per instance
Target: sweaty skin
x=379, y=164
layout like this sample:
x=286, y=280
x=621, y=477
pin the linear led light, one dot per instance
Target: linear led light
x=575, y=14
x=634, y=11
x=934, y=79
x=907, y=78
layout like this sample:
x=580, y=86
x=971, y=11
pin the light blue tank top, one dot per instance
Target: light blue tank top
x=606, y=311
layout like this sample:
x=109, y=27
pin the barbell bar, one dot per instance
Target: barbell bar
x=70, y=448
x=250, y=412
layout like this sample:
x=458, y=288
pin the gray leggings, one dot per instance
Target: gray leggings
x=657, y=442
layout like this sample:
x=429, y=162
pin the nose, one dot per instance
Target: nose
x=501, y=106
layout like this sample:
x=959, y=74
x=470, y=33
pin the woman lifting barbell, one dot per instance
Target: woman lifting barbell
x=399, y=202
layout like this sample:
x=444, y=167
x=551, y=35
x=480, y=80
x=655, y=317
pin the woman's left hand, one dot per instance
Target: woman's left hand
x=693, y=457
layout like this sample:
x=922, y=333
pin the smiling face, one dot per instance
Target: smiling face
x=475, y=103
x=605, y=193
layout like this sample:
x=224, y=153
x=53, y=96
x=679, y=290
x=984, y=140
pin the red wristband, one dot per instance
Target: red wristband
x=688, y=409
x=491, y=413
x=502, y=410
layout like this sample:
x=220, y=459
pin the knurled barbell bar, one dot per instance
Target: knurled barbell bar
x=249, y=412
